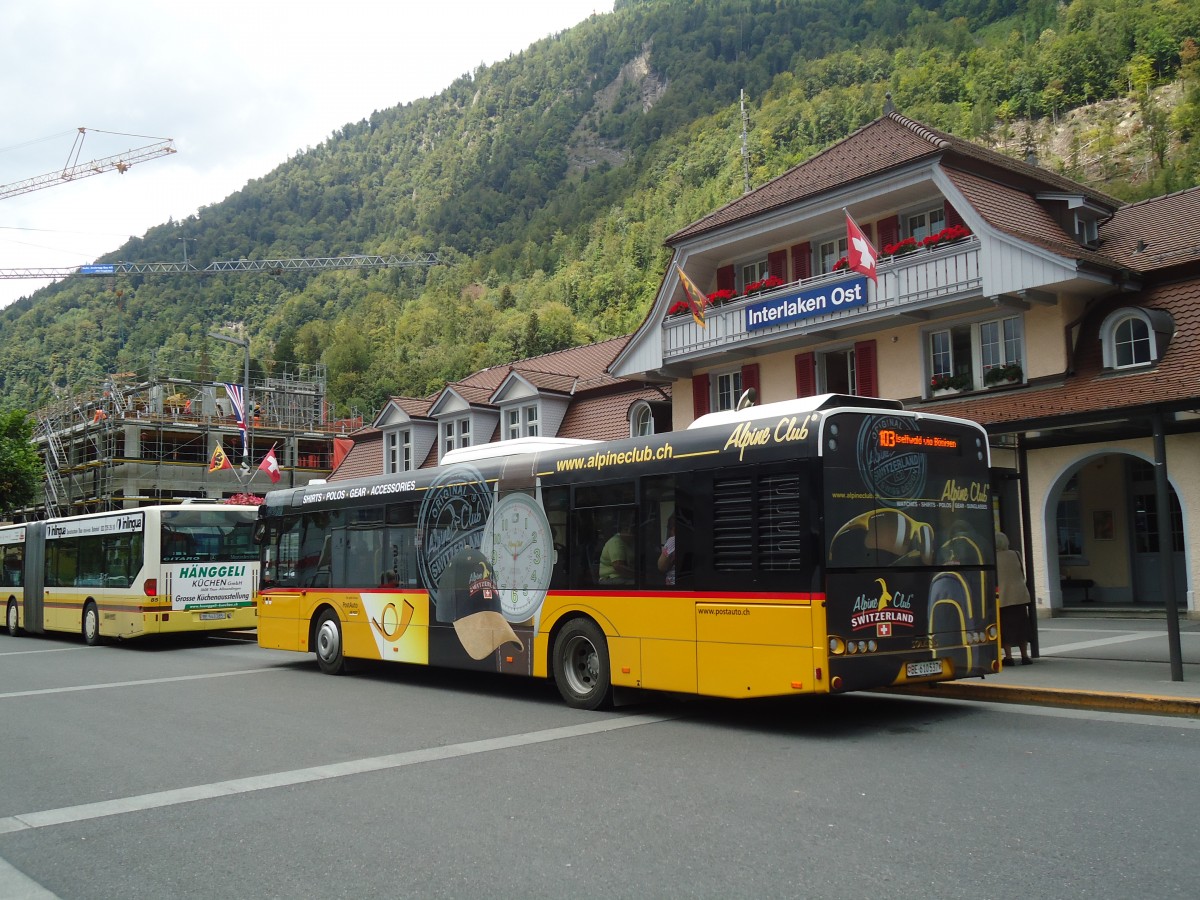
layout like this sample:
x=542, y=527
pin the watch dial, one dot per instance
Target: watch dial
x=521, y=547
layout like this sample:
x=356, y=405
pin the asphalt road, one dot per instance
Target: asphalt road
x=210, y=768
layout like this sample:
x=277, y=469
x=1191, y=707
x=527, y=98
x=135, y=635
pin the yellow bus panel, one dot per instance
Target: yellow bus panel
x=755, y=670
x=754, y=623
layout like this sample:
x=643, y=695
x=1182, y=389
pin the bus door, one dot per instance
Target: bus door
x=33, y=619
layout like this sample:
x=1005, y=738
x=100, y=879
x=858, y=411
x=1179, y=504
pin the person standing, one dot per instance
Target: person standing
x=1013, y=595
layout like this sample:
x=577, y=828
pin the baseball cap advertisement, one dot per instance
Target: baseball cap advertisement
x=909, y=548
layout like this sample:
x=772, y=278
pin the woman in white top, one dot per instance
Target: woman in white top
x=1013, y=596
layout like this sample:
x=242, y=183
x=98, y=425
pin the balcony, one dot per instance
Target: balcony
x=909, y=285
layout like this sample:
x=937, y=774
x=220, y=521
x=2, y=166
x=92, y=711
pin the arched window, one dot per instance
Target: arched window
x=1131, y=342
x=1134, y=337
x=641, y=420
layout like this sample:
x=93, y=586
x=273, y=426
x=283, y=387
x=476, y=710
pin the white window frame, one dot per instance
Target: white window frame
x=456, y=433
x=726, y=389
x=843, y=356
x=521, y=421
x=641, y=420
x=1112, y=338
x=1087, y=229
x=397, y=451
x=747, y=270
x=945, y=348
x=924, y=222
x=829, y=252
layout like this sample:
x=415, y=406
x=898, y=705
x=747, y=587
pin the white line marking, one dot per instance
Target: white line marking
x=70, y=814
x=46, y=650
x=1102, y=642
x=120, y=684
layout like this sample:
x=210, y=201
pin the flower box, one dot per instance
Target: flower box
x=766, y=284
x=945, y=383
x=946, y=236
x=900, y=248
x=1003, y=374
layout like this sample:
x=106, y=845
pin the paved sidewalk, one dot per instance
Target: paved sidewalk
x=1096, y=663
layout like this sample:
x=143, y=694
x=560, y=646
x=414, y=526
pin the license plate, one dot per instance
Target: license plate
x=922, y=669
x=219, y=615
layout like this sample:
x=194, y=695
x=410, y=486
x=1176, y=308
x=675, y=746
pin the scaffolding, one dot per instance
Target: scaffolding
x=147, y=436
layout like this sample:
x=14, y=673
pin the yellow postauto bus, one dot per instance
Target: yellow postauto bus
x=820, y=545
x=153, y=570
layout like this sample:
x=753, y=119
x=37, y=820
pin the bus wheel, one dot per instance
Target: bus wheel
x=329, y=644
x=581, y=665
x=91, y=624
x=14, y=627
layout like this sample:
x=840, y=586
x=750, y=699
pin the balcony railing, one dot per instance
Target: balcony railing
x=906, y=283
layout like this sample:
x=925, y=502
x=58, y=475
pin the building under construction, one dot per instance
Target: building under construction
x=149, y=437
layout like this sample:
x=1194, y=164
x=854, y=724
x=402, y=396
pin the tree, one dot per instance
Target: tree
x=20, y=467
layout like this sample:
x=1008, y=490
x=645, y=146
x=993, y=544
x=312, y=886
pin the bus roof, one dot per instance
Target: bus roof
x=798, y=406
x=513, y=447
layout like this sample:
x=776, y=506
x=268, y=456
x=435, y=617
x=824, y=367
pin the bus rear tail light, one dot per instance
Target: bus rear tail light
x=151, y=587
x=837, y=646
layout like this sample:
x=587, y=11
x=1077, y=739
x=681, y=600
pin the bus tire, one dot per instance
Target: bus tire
x=581, y=666
x=327, y=643
x=91, y=624
x=12, y=620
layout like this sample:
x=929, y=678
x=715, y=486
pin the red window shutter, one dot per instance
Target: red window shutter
x=889, y=231
x=806, y=374
x=700, y=401
x=802, y=260
x=777, y=264
x=952, y=217
x=865, y=370
x=725, y=278
x=750, y=380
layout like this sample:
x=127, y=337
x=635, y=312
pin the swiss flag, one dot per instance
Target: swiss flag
x=859, y=252
x=270, y=465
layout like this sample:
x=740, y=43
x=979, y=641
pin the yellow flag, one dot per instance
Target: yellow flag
x=695, y=298
x=219, y=460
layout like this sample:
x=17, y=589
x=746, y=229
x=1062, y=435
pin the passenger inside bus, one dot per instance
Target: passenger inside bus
x=617, y=557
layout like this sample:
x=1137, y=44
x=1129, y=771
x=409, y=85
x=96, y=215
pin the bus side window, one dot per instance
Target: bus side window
x=400, y=549
x=555, y=502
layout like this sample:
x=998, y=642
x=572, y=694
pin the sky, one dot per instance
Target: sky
x=238, y=86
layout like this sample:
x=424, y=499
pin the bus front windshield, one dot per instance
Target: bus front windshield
x=190, y=535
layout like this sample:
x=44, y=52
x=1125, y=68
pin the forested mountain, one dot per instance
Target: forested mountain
x=547, y=183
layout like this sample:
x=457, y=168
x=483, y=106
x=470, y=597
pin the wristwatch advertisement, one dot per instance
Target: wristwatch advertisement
x=520, y=544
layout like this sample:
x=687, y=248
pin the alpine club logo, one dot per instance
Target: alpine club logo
x=882, y=610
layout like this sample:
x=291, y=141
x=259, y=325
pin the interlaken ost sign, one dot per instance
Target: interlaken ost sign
x=796, y=305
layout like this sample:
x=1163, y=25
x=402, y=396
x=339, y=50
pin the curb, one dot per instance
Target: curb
x=1099, y=700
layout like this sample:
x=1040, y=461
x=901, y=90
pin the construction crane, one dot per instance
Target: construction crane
x=269, y=266
x=75, y=169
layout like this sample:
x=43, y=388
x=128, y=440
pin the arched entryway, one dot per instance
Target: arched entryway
x=1103, y=531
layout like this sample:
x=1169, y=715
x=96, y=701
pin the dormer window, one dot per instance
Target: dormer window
x=641, y=420
x=398, y=451
x=1133, y=337
x=521, y=422
x=456, y=433
x=1087, y=229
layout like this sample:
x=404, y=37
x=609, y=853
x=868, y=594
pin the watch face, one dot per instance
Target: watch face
x=521, y=546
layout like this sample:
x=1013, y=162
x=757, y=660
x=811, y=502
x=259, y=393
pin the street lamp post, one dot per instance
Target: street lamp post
x=244, y=343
